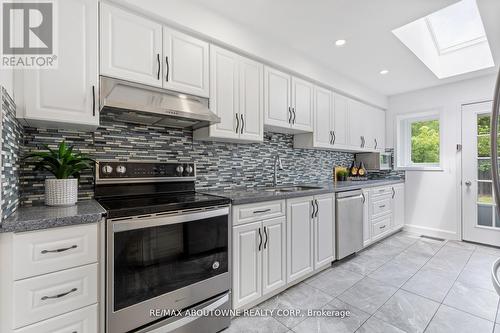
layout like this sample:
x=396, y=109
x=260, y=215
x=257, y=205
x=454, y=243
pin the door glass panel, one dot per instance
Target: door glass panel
x=484, y=169
x=497, y=219
x=483, y=124
x=485, y=191
x=484, y=215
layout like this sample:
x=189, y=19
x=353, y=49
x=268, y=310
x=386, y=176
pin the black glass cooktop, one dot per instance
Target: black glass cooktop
x=157, y=203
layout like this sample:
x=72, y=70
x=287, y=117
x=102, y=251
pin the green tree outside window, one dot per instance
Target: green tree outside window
x=425, y=142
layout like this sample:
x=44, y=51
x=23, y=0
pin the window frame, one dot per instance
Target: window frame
x=403, y=140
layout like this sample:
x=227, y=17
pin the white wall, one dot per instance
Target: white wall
x=218, y=29
x=7, y=80
x=433, y=200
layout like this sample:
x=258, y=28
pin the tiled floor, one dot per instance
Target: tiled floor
x=403, y=284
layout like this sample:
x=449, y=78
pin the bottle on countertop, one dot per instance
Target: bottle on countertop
x=353, y=170
x=362, y=170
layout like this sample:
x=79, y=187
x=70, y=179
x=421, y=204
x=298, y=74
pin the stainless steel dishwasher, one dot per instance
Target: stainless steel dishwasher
x=349, y=226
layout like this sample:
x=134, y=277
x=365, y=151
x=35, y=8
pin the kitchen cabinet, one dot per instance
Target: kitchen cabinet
x=67, y=96
x=357, y=121
x=367, y=229
x=399, y=205
x=236, y=91
x=131, y=46
x=274, y=254
x=186, y=63
x=340, y=121
x=324, y=230
x=366, y=127
x=288, y=102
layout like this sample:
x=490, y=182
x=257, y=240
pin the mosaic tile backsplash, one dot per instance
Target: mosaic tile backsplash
x=10, y=154
x=219, y=165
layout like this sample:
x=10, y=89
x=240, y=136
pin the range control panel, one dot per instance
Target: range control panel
x=144, y=171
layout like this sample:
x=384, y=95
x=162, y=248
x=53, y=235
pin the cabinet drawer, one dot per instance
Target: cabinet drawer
x=380, y=207
x=53, y=294
x=258, y=211
x=381, y=226
x=79, y=321
x=381, y=191
x=41, y=252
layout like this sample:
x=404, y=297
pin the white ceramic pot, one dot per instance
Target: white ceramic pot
x=61, y=192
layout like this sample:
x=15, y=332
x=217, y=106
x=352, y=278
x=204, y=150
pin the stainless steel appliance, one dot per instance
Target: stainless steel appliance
x=167, y=247
x=349, y=226
x=147, y=105
x=375, y=161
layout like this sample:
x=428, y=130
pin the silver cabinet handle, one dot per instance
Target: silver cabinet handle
x=314, y=209
x=265, y=233
x=334, y=138
x=393, y=192
x=382, y=206
x=262, y=211
x=376, y=143
x=237, y=124
x=59, y=295
x=289, y=114
x=317, y=208
x=168, y=68
x=159, y=66
x=363, y=195
x=260, y=240
x=294, y=115
x=59, y=250
x=331, y=137
x=382, y=227
x=242, y=123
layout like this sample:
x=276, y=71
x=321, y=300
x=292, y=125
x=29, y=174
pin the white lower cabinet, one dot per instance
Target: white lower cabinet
x=324, y=230
x=367, y=230
x=274, y=255
x=399, y=205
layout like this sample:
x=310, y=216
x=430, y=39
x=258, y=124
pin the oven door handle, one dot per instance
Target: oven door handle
x=134, y=223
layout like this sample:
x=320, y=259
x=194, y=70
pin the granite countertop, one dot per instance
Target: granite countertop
x=259, y=194
x=45, y=217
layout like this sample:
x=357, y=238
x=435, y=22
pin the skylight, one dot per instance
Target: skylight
x=451, y=41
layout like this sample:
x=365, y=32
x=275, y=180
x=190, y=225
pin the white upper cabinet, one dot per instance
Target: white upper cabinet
x=357, y=135
x=277, y=97
x=323, y=118
x=67, y=97
x=186, y=63
x=302, y=105
x=340, y=121
x=236, y=90
x=131, y=46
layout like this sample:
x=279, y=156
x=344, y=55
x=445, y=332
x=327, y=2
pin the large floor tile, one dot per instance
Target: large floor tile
x=374, y=325
x=488, y=249
x=450, y=266
x=335, y=281
x=368, y=294
x=461, y=245
x=363, y=263
x=394, y=273
x=430, y=283
x=334, y=324
x=301, y=297
x=407, y=311
x=450, y=320
x=425, y=248
x=476, y=278
x=412, y=258
x=481, y=262
x=255, y=325
x=497, y=328
x=477, y=301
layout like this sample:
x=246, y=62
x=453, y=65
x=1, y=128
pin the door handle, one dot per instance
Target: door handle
x=331, y=137
x=265, y=233
x=393, y=192
x=363, y=195
x=262, y=211
x=159, y=65
x=237, y=124
x=317, y=208
x=93, y=101
x=168, y=67
x=361, y=141
x=242, y=123
x=468, y=183
x=260, y=239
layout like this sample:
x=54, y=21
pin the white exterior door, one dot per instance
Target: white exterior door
x=131, y=46
x=340, y=121
x=251, y=99
x=398, y=205
x=480, y=222
x=186, y=63
x=274, y=254
x=302, y=104
x=324, y=230
x=70, y=93
x=323, y=118
x=277, y=99
x=224, y=102
x=299, y=238
x=247, y=263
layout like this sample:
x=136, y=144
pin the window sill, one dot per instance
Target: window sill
x=420, y=168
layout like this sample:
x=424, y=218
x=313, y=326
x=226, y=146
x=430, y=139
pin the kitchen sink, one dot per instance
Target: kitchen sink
x=292, y=188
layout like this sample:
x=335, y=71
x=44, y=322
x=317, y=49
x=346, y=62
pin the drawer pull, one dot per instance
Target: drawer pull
x=262, y=211
x=382, y=227
x=59, y=295
x=382, y=206
x=59, y=250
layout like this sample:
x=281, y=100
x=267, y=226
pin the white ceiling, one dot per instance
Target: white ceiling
x=311, y=27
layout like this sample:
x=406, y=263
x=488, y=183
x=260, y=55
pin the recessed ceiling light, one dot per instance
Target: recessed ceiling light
x=384, y=72
x=340, y=42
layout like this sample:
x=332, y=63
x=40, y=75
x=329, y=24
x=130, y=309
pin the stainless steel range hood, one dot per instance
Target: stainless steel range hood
x=141, y=104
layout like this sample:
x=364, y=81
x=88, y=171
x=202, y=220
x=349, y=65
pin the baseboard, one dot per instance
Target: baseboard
x=431, y=232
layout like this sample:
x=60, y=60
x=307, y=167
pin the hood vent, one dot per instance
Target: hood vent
x=145, y=105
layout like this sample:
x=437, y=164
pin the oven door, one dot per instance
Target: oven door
x=164, y=262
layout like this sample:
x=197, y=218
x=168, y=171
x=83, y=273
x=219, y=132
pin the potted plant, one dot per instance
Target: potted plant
x=65, y=165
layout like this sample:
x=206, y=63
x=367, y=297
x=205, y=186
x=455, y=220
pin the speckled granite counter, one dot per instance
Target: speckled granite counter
x=45, y=217
x=259, y=194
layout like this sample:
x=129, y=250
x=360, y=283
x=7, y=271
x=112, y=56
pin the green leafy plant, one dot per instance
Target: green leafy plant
x=62, y=162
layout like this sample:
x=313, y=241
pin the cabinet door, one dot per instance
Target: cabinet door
x=68, y=94
x=247, y=263
x=399, y=205
x=299, y=231
x=224, y=76
x=131, y=46
x=324, y=231
x=302, y=104
x=252, y=99
x=367, y=230
x=379, y=125
x=277, y=99
x=356, y=124
x=186, y=63
x=274, y=254
x=340, y=121
x=323, y=118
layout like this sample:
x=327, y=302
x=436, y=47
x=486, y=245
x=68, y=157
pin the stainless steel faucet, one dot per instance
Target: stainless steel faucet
x=277, y=166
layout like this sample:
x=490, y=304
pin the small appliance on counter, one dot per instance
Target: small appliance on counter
x=375, y=161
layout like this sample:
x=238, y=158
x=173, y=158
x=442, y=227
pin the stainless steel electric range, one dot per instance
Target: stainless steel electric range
x=167, y=248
